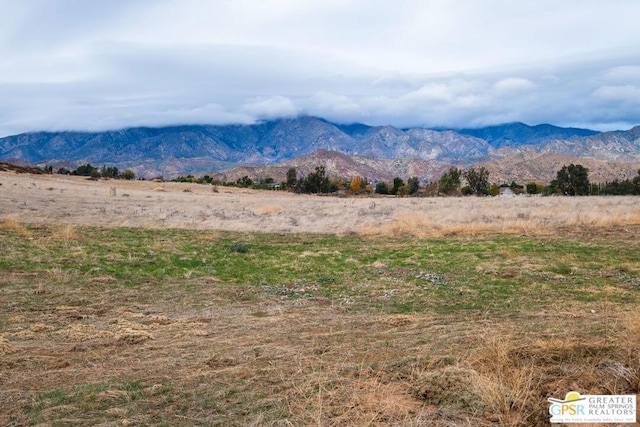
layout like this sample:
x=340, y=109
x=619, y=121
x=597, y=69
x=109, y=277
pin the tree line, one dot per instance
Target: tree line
x=570, y=180
x=95, y=173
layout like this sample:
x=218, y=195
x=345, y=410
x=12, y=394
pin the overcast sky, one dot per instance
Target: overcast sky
x=95, y=65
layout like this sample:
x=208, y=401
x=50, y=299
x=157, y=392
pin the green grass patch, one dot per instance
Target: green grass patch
x=102, y=401
x=504, y=274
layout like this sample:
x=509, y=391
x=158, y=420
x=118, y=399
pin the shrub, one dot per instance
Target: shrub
x=239, y=248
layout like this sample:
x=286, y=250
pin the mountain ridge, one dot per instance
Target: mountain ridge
x=197, y=149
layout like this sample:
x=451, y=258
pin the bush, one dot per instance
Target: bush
x=128, y=174
x=239, y=248
x=534, y=188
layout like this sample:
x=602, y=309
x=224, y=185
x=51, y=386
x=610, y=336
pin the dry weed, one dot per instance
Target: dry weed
x=338, y=394
x=628, y=339
x=5, y=346
x=507, y=385
x=82, y=332
x=41, y=327
x=451, y=387
x=186, y=328
x=66, y=233
x=132, y=336
x=269, y=210
x=420, y=225
x=23, y=334
x=15, y=227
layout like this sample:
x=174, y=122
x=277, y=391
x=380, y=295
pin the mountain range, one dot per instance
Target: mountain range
x=376, y=152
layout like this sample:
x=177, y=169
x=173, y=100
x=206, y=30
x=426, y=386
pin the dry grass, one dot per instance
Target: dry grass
x=269, y=210
x=15, y=226
x=66, y=233
x=81, y=202
x=314, y=364
x=5, y=347
x=532, y=216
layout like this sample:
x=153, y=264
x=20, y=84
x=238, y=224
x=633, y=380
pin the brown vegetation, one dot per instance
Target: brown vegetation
x=78, y=201
x=199, y=351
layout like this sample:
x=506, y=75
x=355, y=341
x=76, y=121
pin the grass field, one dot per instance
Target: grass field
x=139, y=326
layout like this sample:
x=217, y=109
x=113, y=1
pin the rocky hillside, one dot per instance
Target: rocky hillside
x=542, y=167
x=338, y=165
x=522, y=168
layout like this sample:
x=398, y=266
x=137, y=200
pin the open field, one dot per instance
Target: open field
x=159, y=306
x=79, y=201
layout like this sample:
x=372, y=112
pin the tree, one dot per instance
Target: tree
x=128, y=174
x=431, y=189
x=516, y=188
x=397, y=184
x=413, y=185
x=357, y=184
x=636, y=184
x=449, y=181
x=478, y=180
x=317, y=182
x=534, y=188
x=573, y=180
x=292, y=179
x=382, y=188
x=109, y=171
x=245, y=181
x=86, y=170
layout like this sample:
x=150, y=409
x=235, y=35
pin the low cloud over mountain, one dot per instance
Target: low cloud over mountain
x=181, y=150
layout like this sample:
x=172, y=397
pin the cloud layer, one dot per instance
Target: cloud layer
x=73, y=64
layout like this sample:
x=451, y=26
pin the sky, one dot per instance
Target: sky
x=101, y=65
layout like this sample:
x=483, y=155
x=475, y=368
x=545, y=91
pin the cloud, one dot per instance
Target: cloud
x=624, y=73
x=334, y=107
x=80, y=64
x=270, y=107
x=627, y=94
x=513, y=85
